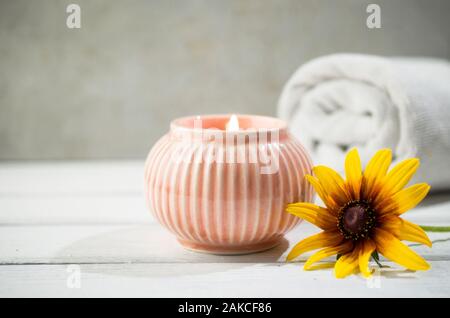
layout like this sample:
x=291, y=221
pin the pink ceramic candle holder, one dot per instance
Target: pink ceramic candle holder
x=225, y=191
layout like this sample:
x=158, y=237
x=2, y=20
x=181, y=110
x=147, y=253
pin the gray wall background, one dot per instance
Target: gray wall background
x=110, y=89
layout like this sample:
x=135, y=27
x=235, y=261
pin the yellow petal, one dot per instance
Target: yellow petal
x=375, y=171
x=324, y=265
x=322, y=239
x=347, y=264
x=327, y=200
x=401, y=174
x=367, y=248
x=404, y=200
x=413, y=233
x=403, y=229
x=390, y=223
x=396, y=251
x=353, y=172
x=313, y=214
x=327, y=252
x=333, y=184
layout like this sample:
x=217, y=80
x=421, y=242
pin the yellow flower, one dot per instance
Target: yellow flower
x=362, y=214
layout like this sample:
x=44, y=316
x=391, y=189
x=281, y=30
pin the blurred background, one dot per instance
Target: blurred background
x=110, y=89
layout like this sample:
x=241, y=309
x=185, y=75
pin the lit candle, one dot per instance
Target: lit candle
x=228, y=193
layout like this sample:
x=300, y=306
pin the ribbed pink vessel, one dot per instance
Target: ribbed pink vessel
x=225, y=192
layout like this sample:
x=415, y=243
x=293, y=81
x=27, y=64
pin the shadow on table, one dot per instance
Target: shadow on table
x=150, y=251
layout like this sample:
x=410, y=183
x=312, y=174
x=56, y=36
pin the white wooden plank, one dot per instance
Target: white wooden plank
x=217, y=280
x=131, y=209
x=141, y=244
x=107, y=244
x=95, y=209
x=71, y=178
x=105, y=192
x=72, y=192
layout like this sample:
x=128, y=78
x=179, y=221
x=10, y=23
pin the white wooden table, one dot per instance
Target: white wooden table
x=57, y=218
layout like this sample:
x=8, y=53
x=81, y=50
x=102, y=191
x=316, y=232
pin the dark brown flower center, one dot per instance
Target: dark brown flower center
x=356, y=219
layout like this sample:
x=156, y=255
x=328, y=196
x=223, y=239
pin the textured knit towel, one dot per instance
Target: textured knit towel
x=336, y=102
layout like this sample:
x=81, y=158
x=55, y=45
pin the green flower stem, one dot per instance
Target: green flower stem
x=435, y=228
x=376, y=258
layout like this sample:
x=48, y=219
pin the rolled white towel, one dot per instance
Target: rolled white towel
x=336, y=102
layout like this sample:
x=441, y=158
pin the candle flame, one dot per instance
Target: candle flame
x=233, y=124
